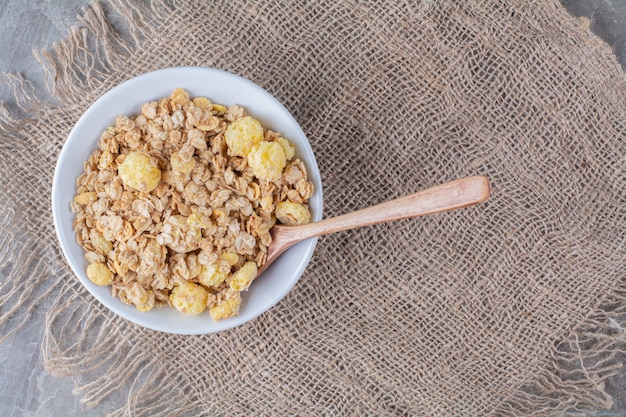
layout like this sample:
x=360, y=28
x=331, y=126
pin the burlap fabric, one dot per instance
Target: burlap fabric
x=514, y=307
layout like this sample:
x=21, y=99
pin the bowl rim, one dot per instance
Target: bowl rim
x=58, y=210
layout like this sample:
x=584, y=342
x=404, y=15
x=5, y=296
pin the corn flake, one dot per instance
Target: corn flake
x=99, y=274
x=292, y=213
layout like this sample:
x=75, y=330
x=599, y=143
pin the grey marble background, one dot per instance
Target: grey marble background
x=25, y=388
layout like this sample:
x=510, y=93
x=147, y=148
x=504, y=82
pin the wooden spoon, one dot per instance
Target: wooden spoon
x=449, y=196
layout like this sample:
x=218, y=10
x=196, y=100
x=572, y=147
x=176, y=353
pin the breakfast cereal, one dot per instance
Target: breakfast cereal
x=176, y=205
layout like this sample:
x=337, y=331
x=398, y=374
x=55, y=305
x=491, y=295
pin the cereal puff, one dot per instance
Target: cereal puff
x=139, y=173
x=189, y=298
x=225, y=305
x=242, y=134
x=267, y=160
x=211, y=276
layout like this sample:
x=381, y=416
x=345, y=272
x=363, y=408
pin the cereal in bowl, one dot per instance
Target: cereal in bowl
x=176, y=205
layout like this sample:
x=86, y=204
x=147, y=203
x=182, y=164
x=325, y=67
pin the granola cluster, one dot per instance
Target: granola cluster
x=176, y=205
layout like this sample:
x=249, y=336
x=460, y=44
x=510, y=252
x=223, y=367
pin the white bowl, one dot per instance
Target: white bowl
x=127, y=98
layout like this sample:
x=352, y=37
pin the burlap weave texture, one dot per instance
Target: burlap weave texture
x=514, y=307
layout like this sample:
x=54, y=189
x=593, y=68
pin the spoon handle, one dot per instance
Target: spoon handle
x=449, y=196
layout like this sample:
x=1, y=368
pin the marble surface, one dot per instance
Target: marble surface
x=26, y=389
x=31, y=25
x=607, y=19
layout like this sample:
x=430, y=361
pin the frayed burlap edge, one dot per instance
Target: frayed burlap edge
x=580, y=365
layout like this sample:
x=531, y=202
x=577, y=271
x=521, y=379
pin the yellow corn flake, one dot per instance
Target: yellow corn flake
x=189, y=298
x=145, y=307
x=242, y=134
x=228, y=307
x=288, y=148
x=198, y=221
x=99, y=274
x=211, y=276
x=179, y=97
x=240, y=280
x=231, y=257
x=181, y=166
x=220, y=108
x=139, y=172
x=86, y=198
x=267, y=160
x=203, y=103
x=292, y=213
